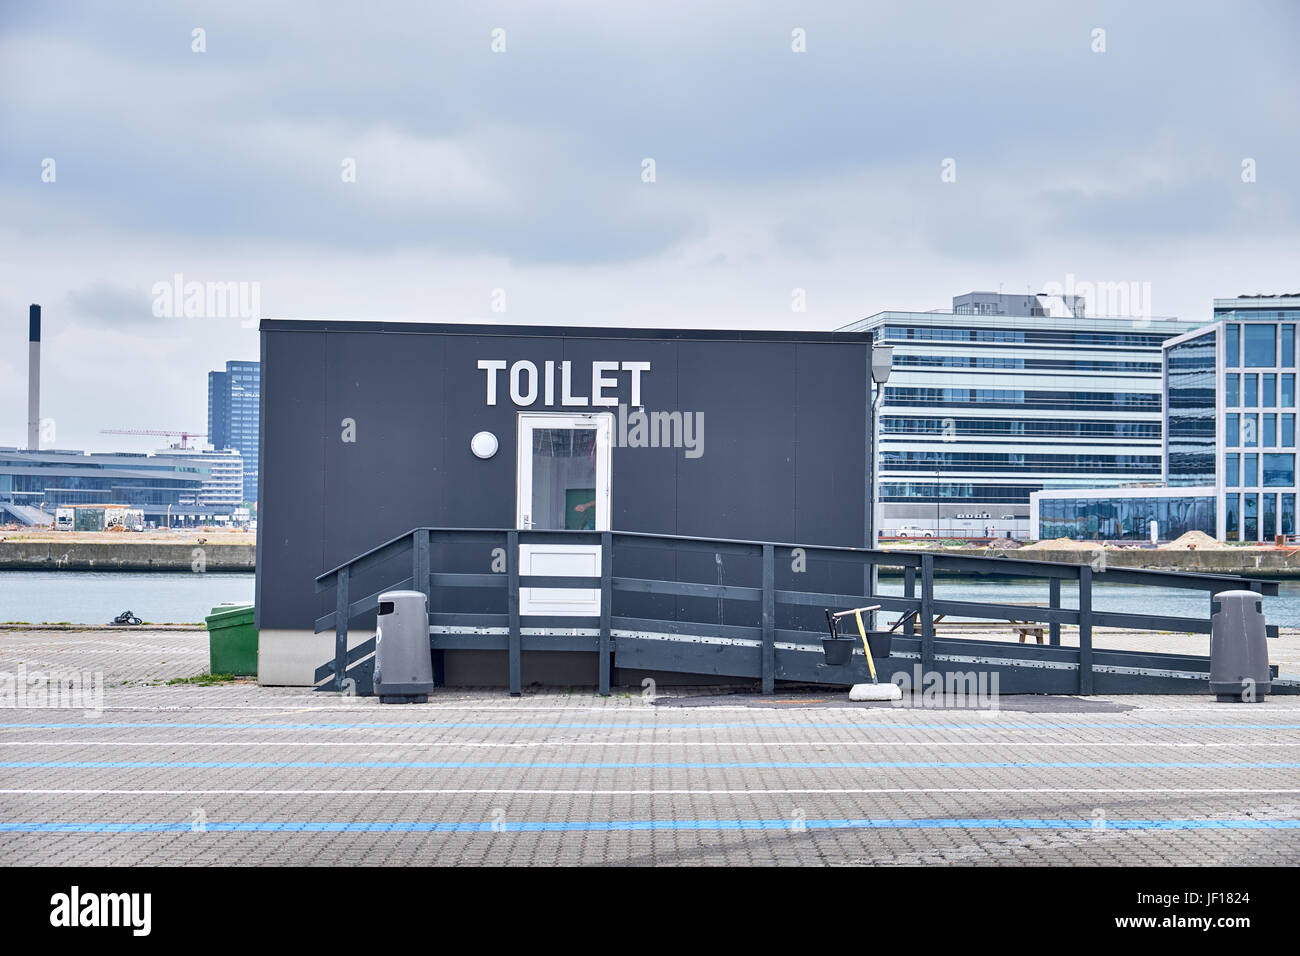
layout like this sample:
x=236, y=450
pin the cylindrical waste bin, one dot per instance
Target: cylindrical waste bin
x=403, y=664
x=1238, y=647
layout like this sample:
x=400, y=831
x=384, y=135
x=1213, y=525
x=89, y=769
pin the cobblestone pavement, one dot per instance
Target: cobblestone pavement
x=124, y=656
x=240, y=774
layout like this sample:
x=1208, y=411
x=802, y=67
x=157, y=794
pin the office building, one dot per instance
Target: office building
x=35, y=483
x=1229, y=459
x=1006, y=395
x=234, y=397
x=223, y=489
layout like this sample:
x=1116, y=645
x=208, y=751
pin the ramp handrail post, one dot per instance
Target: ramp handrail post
x=1054, y=602
x=1085, y=630
x=420, y=582
x=515, y=654
x=341, y=608
x=909, y=591
x=769, y=619
x=606, y=611
x=927, y=612
x=420, y=562
x=871, y=582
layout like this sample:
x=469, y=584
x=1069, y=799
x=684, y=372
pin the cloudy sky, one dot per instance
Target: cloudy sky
x=516, y=176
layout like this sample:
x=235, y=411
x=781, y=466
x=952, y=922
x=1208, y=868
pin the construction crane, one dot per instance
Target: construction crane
x=162, y=432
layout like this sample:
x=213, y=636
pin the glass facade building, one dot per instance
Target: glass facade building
x=47, y=479
x=1230, y=436
x=1189, y=416
x=1101, y=516
x=1008, y=395
x=234, y=398
x=1256, y=408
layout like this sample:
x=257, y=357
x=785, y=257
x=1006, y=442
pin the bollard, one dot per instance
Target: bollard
x=1238, y=647
x=403, y=662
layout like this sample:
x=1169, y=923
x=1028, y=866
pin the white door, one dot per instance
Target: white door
x=563, y=484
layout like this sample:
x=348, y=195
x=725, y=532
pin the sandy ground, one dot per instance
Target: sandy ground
x=189, y=536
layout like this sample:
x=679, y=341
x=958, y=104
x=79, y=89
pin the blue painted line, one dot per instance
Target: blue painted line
x=453, y=725
x=638, y=765
x=588, y=826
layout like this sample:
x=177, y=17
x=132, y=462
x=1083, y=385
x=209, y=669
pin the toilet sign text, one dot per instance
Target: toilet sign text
x=557, y=383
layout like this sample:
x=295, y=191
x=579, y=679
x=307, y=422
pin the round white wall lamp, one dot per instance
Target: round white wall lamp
x=483, y=445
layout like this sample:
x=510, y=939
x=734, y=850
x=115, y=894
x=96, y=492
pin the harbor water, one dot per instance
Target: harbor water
x=96, y=597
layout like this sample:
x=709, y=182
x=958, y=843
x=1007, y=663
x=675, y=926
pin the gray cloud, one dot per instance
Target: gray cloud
x=105, y=304
x=775, y=170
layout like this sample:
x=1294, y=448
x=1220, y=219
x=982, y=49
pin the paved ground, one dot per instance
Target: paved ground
x=237, y=774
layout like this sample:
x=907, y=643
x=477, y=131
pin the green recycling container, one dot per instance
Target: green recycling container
x=232, y=640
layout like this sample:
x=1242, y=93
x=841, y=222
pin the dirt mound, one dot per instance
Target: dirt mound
x=1193, y=541
x=1063, y=544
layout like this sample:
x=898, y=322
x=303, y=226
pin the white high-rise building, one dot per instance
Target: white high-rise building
x=223, y=489
x=1007, y=395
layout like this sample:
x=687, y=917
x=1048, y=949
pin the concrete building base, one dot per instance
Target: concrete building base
x=560, y=669
x=289, y=658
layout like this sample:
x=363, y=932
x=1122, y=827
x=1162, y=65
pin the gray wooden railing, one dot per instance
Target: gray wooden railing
x=507, y=630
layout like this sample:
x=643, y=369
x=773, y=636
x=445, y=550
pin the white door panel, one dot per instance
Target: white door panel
x=563, y=483
x=560, y=560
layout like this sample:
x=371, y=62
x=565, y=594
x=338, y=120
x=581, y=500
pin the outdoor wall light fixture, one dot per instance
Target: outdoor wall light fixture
x=882, y=363
x=483, y=445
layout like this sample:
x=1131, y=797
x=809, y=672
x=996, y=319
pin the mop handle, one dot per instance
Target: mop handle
x=866, y=646
x=856, y=610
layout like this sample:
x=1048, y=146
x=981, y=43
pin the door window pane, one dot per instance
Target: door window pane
x=1270, y=517
x=1250, y=518
x=1232, y=504
x=1288, y=515
x=564, y=479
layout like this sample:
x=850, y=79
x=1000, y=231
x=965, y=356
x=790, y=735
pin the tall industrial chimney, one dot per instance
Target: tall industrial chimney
x=34, y=378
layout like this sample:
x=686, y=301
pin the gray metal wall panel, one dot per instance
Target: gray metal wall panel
x=390, y=479
x=291, y=522
x=783, y=448
x=743, y=485
x=831, y=448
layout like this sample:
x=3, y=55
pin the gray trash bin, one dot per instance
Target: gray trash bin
x=1238, y=647
x=403, y=665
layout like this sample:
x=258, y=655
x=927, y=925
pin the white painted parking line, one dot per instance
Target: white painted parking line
x=532, y=744
x=1275, y=707
x=525, y=791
